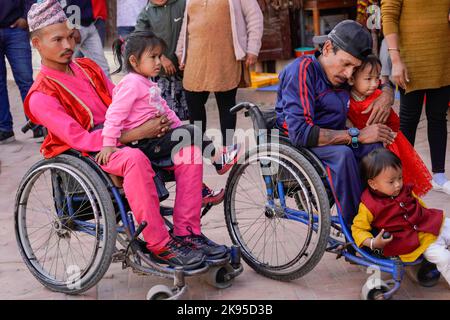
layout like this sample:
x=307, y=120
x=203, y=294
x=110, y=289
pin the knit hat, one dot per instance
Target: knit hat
x=45, y=13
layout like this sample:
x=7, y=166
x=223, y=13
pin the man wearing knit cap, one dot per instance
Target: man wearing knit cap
x=70, y=99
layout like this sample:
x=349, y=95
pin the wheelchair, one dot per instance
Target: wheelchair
x=72, y=221
x=282, y=211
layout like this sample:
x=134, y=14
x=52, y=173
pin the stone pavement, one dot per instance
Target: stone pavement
x=330, y=279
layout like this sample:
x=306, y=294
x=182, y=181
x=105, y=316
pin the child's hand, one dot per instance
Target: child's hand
x=379, y=242
x=103, y=156
x=168, y=66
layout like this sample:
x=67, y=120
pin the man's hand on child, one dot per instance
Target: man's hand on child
x=102, y=157
x=156, y=127
x=376, y=133
x=168, y=66
x=379, y=242
x=380, y=108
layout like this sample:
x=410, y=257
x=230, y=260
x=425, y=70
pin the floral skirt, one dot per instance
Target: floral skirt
x=172, y=91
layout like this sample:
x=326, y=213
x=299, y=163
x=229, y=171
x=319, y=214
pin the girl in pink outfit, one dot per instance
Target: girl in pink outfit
x=135, y=100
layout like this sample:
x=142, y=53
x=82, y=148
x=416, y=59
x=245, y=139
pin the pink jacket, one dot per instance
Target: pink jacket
x=135, y=100
x=247, y=25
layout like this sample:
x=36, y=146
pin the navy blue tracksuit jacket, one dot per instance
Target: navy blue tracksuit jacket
x=306, y=99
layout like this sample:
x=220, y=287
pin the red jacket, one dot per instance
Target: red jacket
x=403, y=217
x=99, y=9
x=52, y=145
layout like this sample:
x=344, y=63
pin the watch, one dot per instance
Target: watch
x=354, y=133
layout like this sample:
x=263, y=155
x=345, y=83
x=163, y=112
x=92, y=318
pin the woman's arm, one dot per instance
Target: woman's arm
x=390, y=14
x=255, y=25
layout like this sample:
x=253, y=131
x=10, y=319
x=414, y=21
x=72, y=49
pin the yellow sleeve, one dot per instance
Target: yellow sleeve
x=390, y=15
x=361, y=226
x=420, y=200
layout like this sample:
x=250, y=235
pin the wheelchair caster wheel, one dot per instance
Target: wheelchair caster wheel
x=424, y=274
x=369, y=292
x=160, y=292
x=217, y=276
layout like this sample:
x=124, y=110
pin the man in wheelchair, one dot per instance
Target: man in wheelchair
x=312, y=105
x=70, y=98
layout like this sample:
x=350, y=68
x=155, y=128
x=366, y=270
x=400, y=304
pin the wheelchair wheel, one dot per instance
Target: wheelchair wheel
x=65, y=224
x=160, y=292
x=277, y=211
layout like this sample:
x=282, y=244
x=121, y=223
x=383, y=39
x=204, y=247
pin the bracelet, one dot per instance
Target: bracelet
x=394, y=49
x=371, y=243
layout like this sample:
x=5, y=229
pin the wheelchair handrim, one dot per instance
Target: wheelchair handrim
x=23, y=235
x=237, y=236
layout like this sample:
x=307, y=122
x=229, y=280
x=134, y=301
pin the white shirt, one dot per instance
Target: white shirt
x=128, y=11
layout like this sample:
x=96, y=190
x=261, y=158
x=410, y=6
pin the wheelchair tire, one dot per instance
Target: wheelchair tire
x=79, y=180
x=302, y=173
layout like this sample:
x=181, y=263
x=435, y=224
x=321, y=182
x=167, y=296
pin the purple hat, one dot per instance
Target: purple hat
x=45, y=13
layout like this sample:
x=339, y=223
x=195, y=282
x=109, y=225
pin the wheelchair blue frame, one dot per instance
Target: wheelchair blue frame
x=394, y=266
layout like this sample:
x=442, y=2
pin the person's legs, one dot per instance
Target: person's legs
x=436, y=110
x=123, y=32
x=438, y=253
x=196, y=104
x=172, y=91
x=225, y=101
x=342, y=163
x=100, y=25
x=91, y=47
x=6, y=124
x=410, y=111
x=188, y=169
x=141, y=193
x=18, y=52
x=142, y=196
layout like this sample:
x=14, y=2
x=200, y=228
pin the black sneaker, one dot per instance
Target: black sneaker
x=38, y=132
x=177, y=254
x=6, y=137
x=211, y=249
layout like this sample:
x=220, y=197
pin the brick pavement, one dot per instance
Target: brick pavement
x=331, y=279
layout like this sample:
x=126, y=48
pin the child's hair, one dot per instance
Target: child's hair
x=372, y=61
x=376, y=161
x=135, y=44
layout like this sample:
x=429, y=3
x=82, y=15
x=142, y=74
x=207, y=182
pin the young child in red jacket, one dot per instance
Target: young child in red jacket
x=388, y=205
x=364, y=91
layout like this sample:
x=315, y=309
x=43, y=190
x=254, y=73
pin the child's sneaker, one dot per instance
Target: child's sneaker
x=210, y=196
x=211, y=249
x=230, y=155
x=177, y=254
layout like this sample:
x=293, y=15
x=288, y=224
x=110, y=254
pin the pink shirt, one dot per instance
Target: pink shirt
x=135, y=100
x=51, y=114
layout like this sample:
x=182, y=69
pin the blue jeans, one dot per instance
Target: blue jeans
x=15, y=45
x=124, y=31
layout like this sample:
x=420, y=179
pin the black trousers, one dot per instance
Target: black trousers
x=225, y=101
x=173, y=141
x=436, y=110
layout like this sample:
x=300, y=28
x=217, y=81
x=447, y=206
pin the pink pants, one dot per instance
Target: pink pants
x=140, y=190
